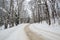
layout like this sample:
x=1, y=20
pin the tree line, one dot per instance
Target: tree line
x=41, y=10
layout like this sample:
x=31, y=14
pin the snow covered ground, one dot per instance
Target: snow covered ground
x=15, y=33
x=2, y=27
x=51, y=32
x=35, y=31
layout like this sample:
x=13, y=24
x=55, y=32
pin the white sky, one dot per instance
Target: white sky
x=28, y=0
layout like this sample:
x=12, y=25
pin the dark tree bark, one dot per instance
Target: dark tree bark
x=48, y=15
x=11, y=12
x=53, y=9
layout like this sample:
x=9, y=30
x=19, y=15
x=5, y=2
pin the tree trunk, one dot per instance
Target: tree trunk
x=48, y=15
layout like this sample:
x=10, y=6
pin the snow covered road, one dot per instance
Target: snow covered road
x=32, y=35
x=44, y=32
x=35, y=31
x=38, y=31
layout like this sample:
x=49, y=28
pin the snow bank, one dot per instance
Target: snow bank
x=51, y=32
x=15, y=33
x=2, y=27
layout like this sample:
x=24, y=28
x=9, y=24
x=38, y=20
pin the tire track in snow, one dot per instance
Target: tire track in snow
x=44, y=35
x=32, y=35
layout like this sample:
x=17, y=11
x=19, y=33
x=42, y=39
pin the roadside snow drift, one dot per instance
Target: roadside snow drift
x=36, y=31
x=45, y=31
x=15, y=33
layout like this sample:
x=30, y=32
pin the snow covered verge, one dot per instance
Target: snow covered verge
x=35, y=31
x=51, y=32
x=14, y=33
x=2, y=27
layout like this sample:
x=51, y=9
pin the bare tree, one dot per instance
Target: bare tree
x=5, y=17
x=48, y=15
x=11, y=12
x=53, y=9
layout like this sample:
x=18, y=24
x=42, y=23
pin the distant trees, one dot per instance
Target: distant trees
x=48, y=14
x=21, y=11
x=12, y=12
x=17, y=22
x=5, y=21
x=53, y=8
x=42, y=10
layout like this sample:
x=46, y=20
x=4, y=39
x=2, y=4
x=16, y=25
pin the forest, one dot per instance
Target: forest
x=14, y=12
